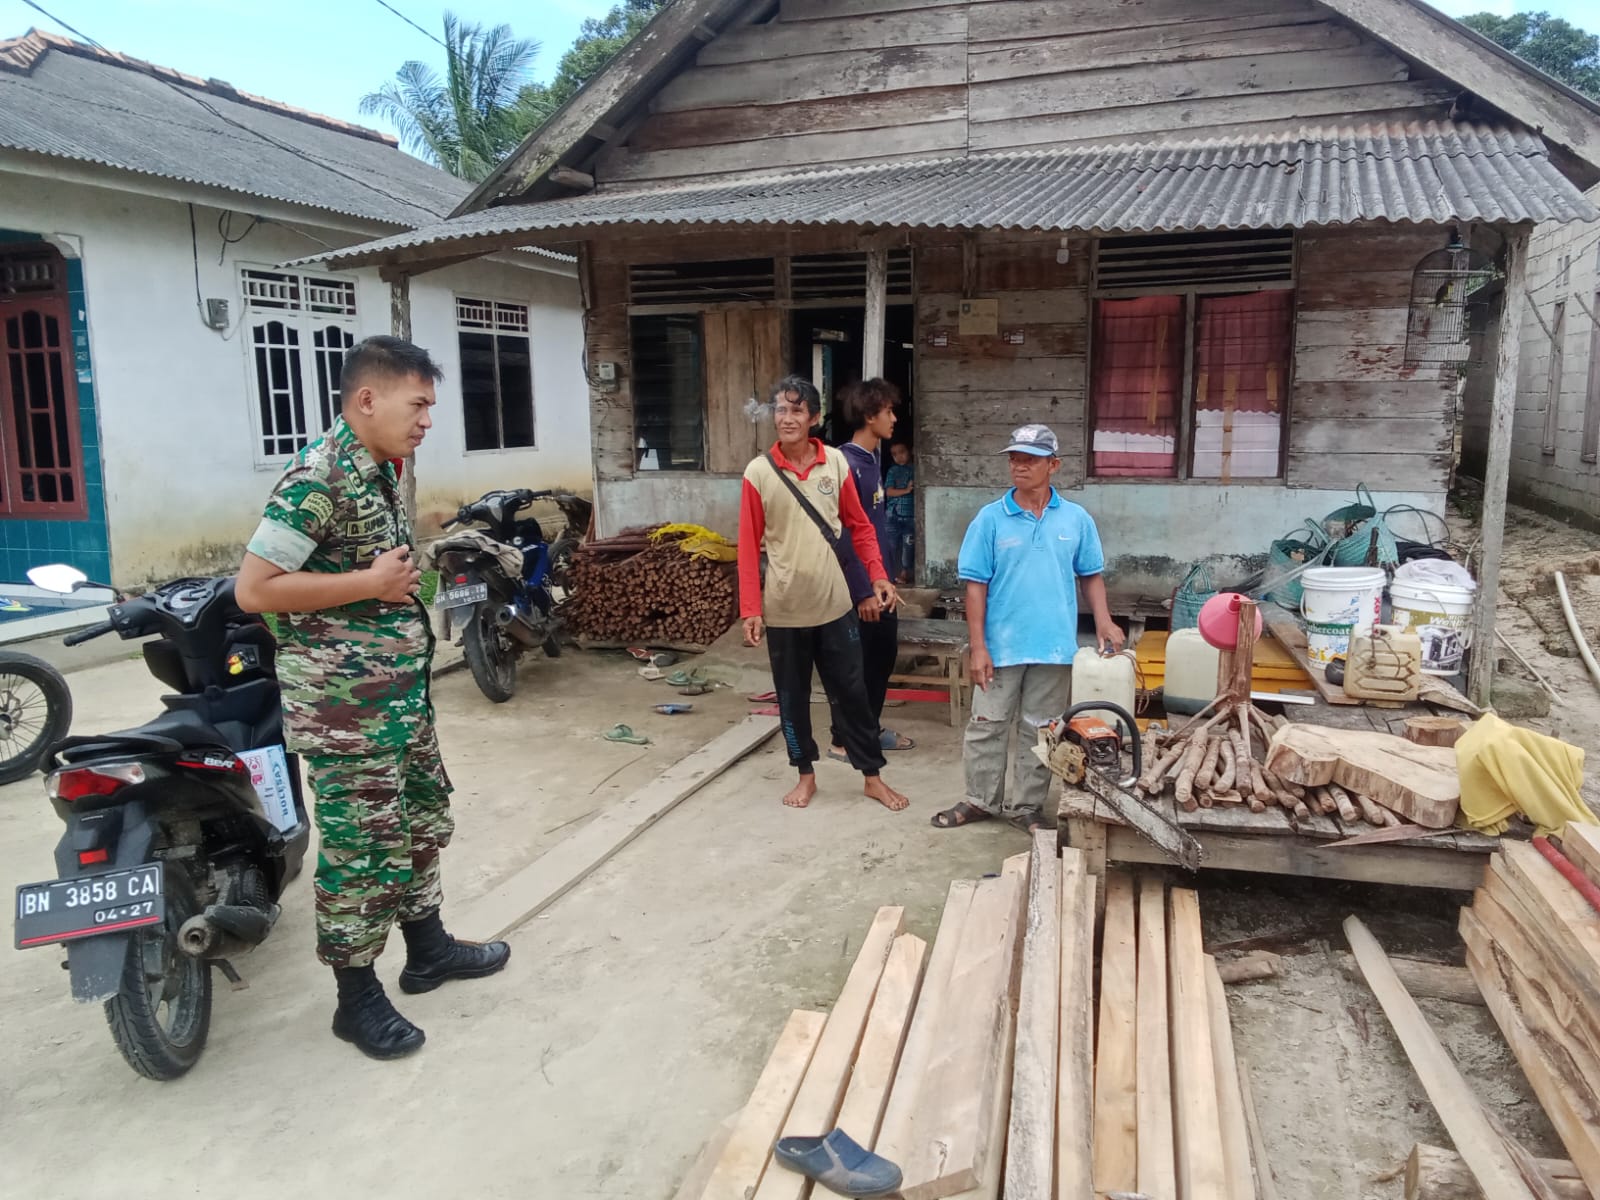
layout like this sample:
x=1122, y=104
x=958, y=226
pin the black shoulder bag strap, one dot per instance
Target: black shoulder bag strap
x=833, y=539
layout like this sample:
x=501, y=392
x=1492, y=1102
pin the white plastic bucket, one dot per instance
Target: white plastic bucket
x=1441, y=615
x=1336, y=602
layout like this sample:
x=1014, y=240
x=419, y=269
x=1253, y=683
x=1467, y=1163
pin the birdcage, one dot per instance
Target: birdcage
x=1452, y=292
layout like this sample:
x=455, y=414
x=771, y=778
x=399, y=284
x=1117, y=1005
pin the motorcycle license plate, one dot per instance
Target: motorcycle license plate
x=63, y=910
x=460, y=597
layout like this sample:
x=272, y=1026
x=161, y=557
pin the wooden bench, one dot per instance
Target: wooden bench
x=946, y=643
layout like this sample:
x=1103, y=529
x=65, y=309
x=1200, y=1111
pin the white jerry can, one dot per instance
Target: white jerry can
x=1191, y=679
x=1095, y=677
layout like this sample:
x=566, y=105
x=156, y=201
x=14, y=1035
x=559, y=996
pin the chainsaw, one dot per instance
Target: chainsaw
x=1086, y=752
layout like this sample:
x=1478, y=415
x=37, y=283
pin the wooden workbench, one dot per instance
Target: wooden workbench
x=946, y=643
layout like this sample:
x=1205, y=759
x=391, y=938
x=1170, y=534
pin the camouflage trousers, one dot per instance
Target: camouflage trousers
x=382, y=818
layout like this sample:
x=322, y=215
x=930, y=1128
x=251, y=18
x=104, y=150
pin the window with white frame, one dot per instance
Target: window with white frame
x=299, y=327
x=496, y=374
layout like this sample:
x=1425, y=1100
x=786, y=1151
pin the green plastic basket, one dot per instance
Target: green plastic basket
x=1197, y=587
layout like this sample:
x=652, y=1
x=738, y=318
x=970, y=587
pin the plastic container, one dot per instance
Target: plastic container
x=1336, y=602
x=1098, y=678
x=1384, y=664
x=1441, y=616
x=1191, y=680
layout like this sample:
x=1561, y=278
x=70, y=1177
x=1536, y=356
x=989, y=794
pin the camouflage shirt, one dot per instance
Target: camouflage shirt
x=355, y=678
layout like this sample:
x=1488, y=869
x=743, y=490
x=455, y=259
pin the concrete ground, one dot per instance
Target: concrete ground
x=638, y=1010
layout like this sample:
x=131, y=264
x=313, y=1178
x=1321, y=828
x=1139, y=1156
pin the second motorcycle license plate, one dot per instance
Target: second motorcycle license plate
x=459, y=597
x=62, y=910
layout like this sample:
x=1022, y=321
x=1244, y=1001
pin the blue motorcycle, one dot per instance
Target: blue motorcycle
x=495, y=584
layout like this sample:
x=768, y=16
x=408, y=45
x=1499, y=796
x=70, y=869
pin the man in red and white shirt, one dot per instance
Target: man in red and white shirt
x=805, y=610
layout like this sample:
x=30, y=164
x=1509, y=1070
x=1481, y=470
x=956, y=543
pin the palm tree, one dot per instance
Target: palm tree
x=471, y=119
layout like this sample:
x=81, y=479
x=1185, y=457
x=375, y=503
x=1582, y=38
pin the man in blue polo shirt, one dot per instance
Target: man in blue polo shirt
x=1022, y=560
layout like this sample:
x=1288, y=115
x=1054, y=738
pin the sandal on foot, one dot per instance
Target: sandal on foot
x=888, y=739
x=623, y=733
x=959, y=813
x=839, y=1164
x=1030, y=823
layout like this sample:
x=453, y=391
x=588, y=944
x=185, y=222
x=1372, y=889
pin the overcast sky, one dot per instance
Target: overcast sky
x=324, y=55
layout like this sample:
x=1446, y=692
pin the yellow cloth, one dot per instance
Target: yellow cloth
x=700, y=542
x=1506, y=769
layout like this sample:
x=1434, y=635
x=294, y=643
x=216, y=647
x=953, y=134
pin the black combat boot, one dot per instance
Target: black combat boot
x=433, y=956
x=366, y=1019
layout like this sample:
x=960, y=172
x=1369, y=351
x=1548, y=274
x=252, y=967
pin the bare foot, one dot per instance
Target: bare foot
x=800, y=794
x=885, y=795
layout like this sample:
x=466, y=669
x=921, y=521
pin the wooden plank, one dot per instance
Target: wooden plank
x=834, y=114
x=1017, y=341
x=1371, y=287
x=1266, y=1184
x=1116, y=1086
x=1157, y=83
x=872, y=337
x=1376, y=363
x=1450, y=50
x=1497, y=472
x=1562, y=914
x=816, y=1104
x=1381, y=472
x=1364, y=326
x=901, y=1114
x=1195, y=41
x=1286, y=631
x=815, y=76
x=1434, y=1173
x=1197, y=1130
x=1183, y=119
x=777, y=40
x=1564, y=1090
x=1452, y=1096
x=1074, y=1102
x=807, y=11
x=1403, y=866
x=1158, y=1169
x=1418, y=782
x=1230, y=1099
x=743, y=1160
x=1004, y=20
x=953, y=1140
x=1581, y=843
x=1060, y=375
x=1066, y=306
x=549, y=877
x=993, y=1176
x=1030, y=1146
x=693, y=1184
x=861, y=1114
x=1436, y=981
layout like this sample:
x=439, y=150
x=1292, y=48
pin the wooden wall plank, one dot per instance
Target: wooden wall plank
x=1002, y=20
x=721, y=126
x=1055, y=306
x=815, y=76
x=1066, y=374
x=1189, y=117
x=1157, y=83
x=821, y=10
x=1372, y=362
x=1194, y=41
x=1353, y=289
x=1350, y=401
x=1380, y=472
x=767, y=43
x=1392, y=436
x=1363, y=326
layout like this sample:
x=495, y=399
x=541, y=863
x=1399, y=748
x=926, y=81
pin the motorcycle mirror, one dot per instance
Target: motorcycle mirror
x=57, y=577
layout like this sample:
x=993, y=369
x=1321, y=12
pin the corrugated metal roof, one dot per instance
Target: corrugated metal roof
x=1425, y=172
x=89, y=106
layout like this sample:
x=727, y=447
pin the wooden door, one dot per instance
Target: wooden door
x=744, y=357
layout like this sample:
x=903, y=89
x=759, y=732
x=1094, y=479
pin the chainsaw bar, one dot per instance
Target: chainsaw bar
x=1167, y=836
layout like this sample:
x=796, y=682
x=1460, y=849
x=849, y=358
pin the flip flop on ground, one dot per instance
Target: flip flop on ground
x=624, y=733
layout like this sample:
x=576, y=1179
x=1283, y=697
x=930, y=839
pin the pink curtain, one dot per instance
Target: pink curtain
x=1136, y=388
x=1243, y=346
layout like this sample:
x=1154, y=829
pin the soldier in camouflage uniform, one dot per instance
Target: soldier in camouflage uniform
x=332, y=556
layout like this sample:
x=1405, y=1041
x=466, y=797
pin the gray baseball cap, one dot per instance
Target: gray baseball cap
x=1038, y=440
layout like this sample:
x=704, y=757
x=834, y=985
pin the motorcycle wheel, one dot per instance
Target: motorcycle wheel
x=492, y=662
x=35, y=713
x=561, y=563
x=161, y=1015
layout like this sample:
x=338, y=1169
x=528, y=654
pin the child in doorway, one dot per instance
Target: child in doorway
x=898, y=484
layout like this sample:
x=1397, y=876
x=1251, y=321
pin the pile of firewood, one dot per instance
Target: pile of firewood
x=1220, y=757
x=630, y=588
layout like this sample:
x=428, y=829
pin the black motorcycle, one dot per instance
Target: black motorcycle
x=181, y=833
x=495, y=583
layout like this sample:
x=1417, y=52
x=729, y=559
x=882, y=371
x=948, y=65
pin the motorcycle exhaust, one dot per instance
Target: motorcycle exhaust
x=225, y=929
x=514, y=623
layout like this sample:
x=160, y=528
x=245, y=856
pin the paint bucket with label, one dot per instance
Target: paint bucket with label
x=1441, y=615
x=1337, y=602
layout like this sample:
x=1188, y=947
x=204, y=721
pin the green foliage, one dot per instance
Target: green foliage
x=597, y=44
x=472, y=118
x=1556, y=46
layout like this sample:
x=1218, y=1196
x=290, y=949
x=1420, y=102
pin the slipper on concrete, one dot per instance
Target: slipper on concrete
x=623, y=733
x=672, y=710
x=888, y=739
x=771, y=710
x=697, y=689
x=837, y=757
x=764, y=697
x=652, y=672
x=839, y=1164
x=683, y=678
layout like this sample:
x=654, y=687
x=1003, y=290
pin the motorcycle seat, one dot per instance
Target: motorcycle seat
x=168, y=733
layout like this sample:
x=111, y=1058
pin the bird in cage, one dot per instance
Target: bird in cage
x=1443, y=295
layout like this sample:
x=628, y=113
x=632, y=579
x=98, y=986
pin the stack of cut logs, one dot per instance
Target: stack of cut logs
x=1220, y=757
x=630, y=588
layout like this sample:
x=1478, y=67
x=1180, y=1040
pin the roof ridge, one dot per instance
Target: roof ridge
x=22, y=54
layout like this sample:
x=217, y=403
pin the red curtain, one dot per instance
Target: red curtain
x=1136, y=389
x=1242, y=354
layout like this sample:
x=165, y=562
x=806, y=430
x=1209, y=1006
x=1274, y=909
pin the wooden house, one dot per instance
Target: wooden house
x=1181, y=232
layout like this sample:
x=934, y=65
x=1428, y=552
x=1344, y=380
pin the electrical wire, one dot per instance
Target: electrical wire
x=425, y=33
x=225, y=230
x=286, y=147
x=194, y=249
